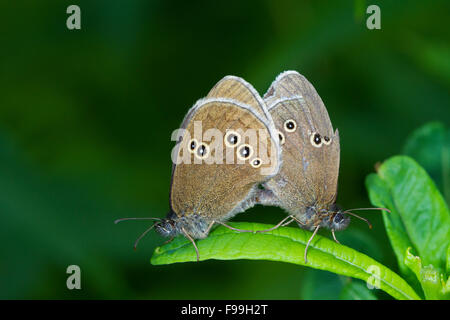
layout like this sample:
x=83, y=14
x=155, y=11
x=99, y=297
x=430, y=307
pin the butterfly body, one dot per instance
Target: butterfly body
x=194, y=225
x=329, y=217
x=226, y=147
x=306, y=184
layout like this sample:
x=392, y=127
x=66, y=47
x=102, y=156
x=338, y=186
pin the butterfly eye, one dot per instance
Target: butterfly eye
x=244, y=152
x=193, y=143
x=232, y=139
x=290, y=125
x=326, y=140
x=316, y=140
x=338, y=218
x=281, y=137
x=202, y=151
x=256, y=163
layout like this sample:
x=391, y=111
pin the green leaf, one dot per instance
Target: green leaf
x=380, y=196
x=448, y=262
x=430, y=147
x=419, y=216
x=433, y=284
x=285, y=245
x=356, y=290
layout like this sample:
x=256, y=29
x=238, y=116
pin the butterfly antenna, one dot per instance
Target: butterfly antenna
x=123, y=219
x=359, y=217
x=142, y=235
x=360, y=209
x=365, y=209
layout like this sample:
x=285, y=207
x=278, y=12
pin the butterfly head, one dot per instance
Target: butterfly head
x=166, y=228
x=338, y=220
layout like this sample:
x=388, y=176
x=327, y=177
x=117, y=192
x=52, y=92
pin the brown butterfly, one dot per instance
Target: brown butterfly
x=307, y=183
x=218, y=167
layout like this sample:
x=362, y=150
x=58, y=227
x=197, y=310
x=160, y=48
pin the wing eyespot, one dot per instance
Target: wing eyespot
x=202, y=151
x=256, y=163
x=316, y=140
x=193, y=145
x=281, y=137
x=232, y=138
x=326, y=140
x=244, y=152
x=290, y=125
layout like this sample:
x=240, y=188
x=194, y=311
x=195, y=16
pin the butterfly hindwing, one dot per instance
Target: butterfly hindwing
x=310, y=148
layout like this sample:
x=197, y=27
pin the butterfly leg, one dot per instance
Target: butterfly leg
x=297, y=220
x=282, y=223
x=309, y=242
x=209, y=227
x=334, y=236
x=231, y=228
x=193, y=243
x=288, y=223
x=168, y=241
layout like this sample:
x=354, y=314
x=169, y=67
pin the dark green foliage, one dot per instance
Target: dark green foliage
x=86, y=118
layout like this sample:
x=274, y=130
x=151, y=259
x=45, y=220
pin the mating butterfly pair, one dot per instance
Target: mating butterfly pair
x=283, y=142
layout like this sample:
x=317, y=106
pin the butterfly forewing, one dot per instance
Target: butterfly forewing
x=213, y=185
x=309, y=173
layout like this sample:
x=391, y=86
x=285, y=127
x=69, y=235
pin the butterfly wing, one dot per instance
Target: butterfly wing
x=292, y=84
x=236, y=88
x=240, y=90
x=216, y=184
x=309, y=174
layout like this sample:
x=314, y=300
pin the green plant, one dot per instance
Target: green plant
x=419, y=220
x=418, y=228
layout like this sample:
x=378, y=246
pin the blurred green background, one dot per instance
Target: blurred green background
x=86, y=118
